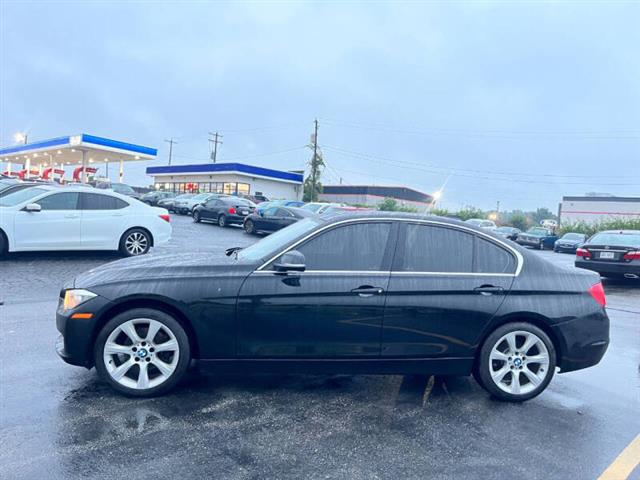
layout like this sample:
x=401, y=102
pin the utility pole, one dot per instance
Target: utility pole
x=215, y=142
x=170, y=142
x=315, y=165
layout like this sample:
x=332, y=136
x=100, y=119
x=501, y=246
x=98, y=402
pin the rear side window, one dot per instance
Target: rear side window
x=357, y=247
x=281, y=212
x=490, y=258
x=59, y=201
x=96, y=201
x=428, y=248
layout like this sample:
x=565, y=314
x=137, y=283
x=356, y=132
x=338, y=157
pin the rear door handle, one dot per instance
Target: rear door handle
x=488, y=289
x=367, y=291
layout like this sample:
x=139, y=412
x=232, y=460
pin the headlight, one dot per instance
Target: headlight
x=75, y=297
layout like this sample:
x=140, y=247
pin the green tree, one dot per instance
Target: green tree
x=308, y=195
x=542, y=213
x=392, y=205
x=470, y=212
x=440, y=212
x=518, y=220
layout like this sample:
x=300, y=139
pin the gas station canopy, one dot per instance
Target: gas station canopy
x=87, y=151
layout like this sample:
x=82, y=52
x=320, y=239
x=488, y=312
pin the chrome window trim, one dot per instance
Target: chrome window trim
x=394, y=272
x=518, y=255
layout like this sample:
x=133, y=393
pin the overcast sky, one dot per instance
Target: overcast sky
x=517, y=102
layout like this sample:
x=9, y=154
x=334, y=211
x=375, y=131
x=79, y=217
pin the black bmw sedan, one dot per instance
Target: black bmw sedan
x=374, y=293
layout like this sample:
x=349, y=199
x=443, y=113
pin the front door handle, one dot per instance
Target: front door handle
x=71, y=215
x=488, y=289
x=367, y=291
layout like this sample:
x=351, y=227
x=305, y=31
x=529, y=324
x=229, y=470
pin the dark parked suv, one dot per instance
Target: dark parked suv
x=224, y=211
x=613, y=253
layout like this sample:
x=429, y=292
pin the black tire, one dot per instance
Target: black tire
x=249, y=227
x=4, y=245
x=184, y=357
x=484, y=364
x=222, y=220
x=143, y=239
x=196, y=216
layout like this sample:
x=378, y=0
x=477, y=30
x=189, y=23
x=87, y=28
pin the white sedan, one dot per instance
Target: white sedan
x=77, y=218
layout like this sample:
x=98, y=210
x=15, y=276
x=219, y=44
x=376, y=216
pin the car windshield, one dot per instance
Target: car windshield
x=185, y=196
x=201, y=196
x=538, y=231
x=618, y=239
x=274, y=242
x=122, y=188
x=573, y=236
x=505, y=229
x=242, y=202
x=474, y=222
x=314, y=207
x=20, y=196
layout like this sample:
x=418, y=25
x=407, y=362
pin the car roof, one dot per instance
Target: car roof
x=621, y=232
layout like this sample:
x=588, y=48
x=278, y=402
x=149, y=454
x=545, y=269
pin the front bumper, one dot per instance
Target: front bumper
x=609, y=268
x=529, y=242
x=75, y=343
x=584, y=341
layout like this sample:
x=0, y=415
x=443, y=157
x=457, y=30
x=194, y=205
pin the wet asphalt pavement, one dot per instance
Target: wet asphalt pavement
x=59, y=421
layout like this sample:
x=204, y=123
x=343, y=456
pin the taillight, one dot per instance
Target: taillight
x=597, y=292
x=581, y=252
x=632, y=255
x=165, y=217
x=232, y=211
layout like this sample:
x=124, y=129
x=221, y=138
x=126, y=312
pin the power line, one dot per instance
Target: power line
x=246, y=157
x=454, y=172
x=504, y=134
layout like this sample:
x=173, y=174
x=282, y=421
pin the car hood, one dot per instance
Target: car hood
x=151, y=267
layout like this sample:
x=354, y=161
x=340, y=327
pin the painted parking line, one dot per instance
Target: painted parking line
x=625, y=463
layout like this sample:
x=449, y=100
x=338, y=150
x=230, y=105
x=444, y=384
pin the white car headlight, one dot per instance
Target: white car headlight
x=75, y=297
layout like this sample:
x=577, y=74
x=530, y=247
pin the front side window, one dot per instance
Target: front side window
x=59, y=201
x=95, y=201
x=356, y=247
x=281, y=212
x=428, y=248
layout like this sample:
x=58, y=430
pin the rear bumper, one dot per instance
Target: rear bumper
x=236, y=219
x=529, y=242
x=584, y=341
x=609, y=268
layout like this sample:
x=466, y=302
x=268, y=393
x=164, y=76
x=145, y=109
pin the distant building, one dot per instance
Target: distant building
x=372, y=195
x=593, y=209
x=229, y=178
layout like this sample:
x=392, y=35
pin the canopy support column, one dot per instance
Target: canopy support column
x=83, y=174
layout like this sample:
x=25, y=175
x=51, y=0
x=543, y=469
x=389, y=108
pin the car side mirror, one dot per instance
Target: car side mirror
x=32, y=207
x=292, y=261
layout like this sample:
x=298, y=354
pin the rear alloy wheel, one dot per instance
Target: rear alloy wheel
x=142, y=352
x=196, y=216
x=222, y=221
x=517, y=362
x=248, y=227
x=135, y=242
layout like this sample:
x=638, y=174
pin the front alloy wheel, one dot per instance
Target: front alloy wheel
x=142, y=352
x=517, y=362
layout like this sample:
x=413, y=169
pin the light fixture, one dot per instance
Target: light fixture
x=137, y=157
x=20, y=137
x=59, y=152
x=35, y=155
x=437, y=195
x=73, y=150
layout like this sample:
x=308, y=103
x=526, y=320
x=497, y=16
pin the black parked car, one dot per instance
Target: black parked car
x=612, y=253
x=224, y=211
x=359, y=293
x=508, y=232
x=152, y=198
x=569, y=242
x=274, y=218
